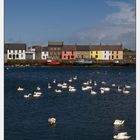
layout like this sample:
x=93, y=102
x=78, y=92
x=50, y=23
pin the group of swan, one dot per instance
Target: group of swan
x=121, y=135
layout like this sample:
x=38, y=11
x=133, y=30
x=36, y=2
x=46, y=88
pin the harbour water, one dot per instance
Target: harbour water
x=79, y=115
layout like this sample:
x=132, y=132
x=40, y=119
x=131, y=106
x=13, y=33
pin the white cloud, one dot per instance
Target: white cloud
x=117, y=27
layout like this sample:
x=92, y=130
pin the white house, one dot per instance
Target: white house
x=44, y=53
x=15, y=51
x=107, y=55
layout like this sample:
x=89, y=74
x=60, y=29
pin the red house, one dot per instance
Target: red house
x=68, y=52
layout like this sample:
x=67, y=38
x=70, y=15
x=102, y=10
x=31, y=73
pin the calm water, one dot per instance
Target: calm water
x=80, y=115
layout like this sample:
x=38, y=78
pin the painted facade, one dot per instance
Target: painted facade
x=44, y=53
x=68, y=52
x=15, y=51
x=82, y=52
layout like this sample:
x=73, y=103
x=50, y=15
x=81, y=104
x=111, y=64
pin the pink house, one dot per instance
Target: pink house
x=68, y=52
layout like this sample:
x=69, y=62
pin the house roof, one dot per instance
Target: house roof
x=54, y=44
x=44, y=49
x=69, y=48
x=106, y=47
x=14, y=46
x=82, y=47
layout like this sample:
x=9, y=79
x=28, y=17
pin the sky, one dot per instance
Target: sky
x=71, y=21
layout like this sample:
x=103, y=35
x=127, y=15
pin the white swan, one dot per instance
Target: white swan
x=122, y=136
x=75, y=78
x=49, y=85
x=58, y=90
x=125, y=91
x=52, y=121
x=72, y=89
x=113, y=85
x=105, y=88
x=119, y=122
x=127, y=86
x=20, y=89
x=27, y=96
x=95, y=84
x=38, y=88
x=102, y=91
x=70, y=80
x=93, y=92
x=119, y=89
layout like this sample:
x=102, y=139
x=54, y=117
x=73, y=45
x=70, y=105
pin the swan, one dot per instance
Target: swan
x=102, y=91
x=38, y=88
x=72, y=89
x=49, y=86
x=27, y=96
x=20, y=89
x=119, y=89
x=113, y=85
x=125, y=91
x=103, y=82
x=75, y=78
x=59, y=85
x=122, y=136
x=105, y=88
x=95, y=84
x=54, y=81
x=86, y=83
x=119, y=122
x=90, y=81
x=127, y=86
x=58, y=90
x=52, y=121
x=70, y=80
x=93, y=92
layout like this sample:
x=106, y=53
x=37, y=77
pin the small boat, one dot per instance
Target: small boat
x=52, y=121
x=20, y=89
x=118, y=122
x=53, y=62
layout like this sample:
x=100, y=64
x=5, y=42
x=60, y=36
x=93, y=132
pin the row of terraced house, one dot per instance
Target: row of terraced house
x=60, y=51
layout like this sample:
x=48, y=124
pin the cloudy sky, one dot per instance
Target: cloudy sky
x=71, y=21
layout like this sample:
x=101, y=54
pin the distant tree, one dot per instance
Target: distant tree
x=127, y=50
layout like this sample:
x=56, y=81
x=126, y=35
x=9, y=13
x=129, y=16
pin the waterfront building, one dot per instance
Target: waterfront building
x=37, y=49
x=129, y=56
x=82, y=51
x=54, y=49
x=15, y=51
x=68, y=52
x=106, y=52
x=44, y=53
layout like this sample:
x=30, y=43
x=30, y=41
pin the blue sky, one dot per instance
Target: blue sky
x=71, y=21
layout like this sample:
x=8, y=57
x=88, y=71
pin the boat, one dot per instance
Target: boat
x=53, y=62
x=83, y=62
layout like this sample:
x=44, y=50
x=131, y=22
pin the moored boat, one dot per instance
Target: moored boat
x=83, y=62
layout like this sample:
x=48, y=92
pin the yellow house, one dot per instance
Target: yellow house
x=106, y=52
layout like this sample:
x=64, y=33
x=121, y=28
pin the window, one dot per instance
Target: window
x=21, y=51
x=10, y=56
x=17, y=51
x=96, y=52
x=112, y=52
x=43, y=56
x=104, y=56
x=72, y=56
x=91, y=56
x=105, y=51
x=112, y=57
x=91, y=52
x=117, y=52
x=72, y=52
x=64, y=56
x=117, y=56
x=13, y=51
x=9, y=51
x=65, y=52
x=109, y=51
x=96, y=56
x=21, y=56
x=17, y=56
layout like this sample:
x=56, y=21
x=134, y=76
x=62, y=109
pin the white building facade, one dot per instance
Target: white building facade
x=44, y=53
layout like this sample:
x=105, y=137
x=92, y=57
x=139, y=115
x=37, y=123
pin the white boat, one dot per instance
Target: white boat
x=20, y=89
x=52, y=121
x=118, y=122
